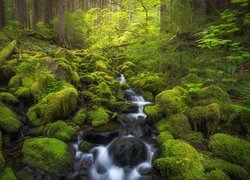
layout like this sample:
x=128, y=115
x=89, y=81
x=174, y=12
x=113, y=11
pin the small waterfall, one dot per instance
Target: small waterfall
x=97, y=164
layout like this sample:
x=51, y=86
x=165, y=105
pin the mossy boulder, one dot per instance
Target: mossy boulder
x=8, y=119
x=205, y=118
x=101, y=65
x=164, y=136
x=217, y=175
x=232, y=170
x=7, y=174
x=54, y=106
x=179, y=161
x=8, y=98
x=80, y=117
x=6, y=73
x=148, y=96
x=47, y=154
x=179, y=125
x=84, y=146
x=7, y=51
x=153, y=113
x=163, y=125
x=230, y=148
x=98, y=117
x=172, y=101
x=212, y=94
x=190, y=79
x=194, y=138
x=59, y=130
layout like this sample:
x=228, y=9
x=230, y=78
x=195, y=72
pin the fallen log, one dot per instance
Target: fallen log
x=7, y=51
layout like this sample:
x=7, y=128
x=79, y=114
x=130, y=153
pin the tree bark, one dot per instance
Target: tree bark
x=61, y=23
x=75, y=5
x=36, y=16
x=163, y=16
x=48, y=15
x=21, y=12
x=2, y=14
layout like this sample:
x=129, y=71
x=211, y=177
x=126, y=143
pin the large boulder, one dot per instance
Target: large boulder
x=98, y=117
x=47, y=154
x=127, y=151
x=8, y=119
x=230, y=148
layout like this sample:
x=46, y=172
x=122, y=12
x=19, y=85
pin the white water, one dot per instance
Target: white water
x=102, y=167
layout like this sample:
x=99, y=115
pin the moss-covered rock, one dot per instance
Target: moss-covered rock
x=190, y=79
x=148, y=96
x=80, y=117
x=7, y=174
x=232, y=170
x=231, y=149
x=163, y=125
x=194, y=138
x=179, y=125
x=47, y=154
x=55, y=105
x=205, y=116
x=59, y=130
x=7, y=51
x=217, y=175
x=84, y=146
x=98, y=117
x=172, y=101
x=8, y=98
x=8, y=119
x=153, y=113
x=179, y=161
x=212, y=94
x=101, y=65
x=164, y=136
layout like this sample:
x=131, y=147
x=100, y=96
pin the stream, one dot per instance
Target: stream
x=123, y=155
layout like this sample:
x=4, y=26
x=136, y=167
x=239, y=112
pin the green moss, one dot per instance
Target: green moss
x=55, y=105
x=208, y=116
x=59, y=130
x=24, y=175
x=194, y=138
x=172, y=101
x=7, y=51
x=84, y=146
x=8, y=98
x=179, y=161
x=47, y=154
x=163, y=125
x=2, y=161
x=148, y=96
x=217, y=175
x=231, y=149
x=212, y=94
x=80, y=116
x=232, y=170
x=1, y=141
x=101, y=65
x=98, y=117
x=153, y=113
x=191, y=79
x=164, y=136
x=8, y=119
x=7, y=174
x=179, y=125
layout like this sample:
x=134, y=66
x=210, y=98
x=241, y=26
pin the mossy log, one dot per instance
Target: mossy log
x=7, y=51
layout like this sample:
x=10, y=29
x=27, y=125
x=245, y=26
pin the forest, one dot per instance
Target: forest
x=124, y=89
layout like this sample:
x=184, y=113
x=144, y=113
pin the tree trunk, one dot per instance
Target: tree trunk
x=21, y=12
x=36, y=16
x=48, y=15
x=75, y=5
x=163, y=17
x=2, y=14
x=61, y=23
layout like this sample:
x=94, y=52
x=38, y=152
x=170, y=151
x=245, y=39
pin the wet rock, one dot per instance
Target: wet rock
x=137, y=131
x=145, y=170
x=86, y=165
x=127, y=151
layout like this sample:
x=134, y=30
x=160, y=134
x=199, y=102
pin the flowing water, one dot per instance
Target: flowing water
x=98, y=165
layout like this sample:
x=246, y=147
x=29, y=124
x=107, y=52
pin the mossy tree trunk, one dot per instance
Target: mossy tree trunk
x=61, y=24
x=163, y=16
x=7, y=51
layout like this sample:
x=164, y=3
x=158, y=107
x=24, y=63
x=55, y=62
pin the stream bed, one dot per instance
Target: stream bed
x=125, y=154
